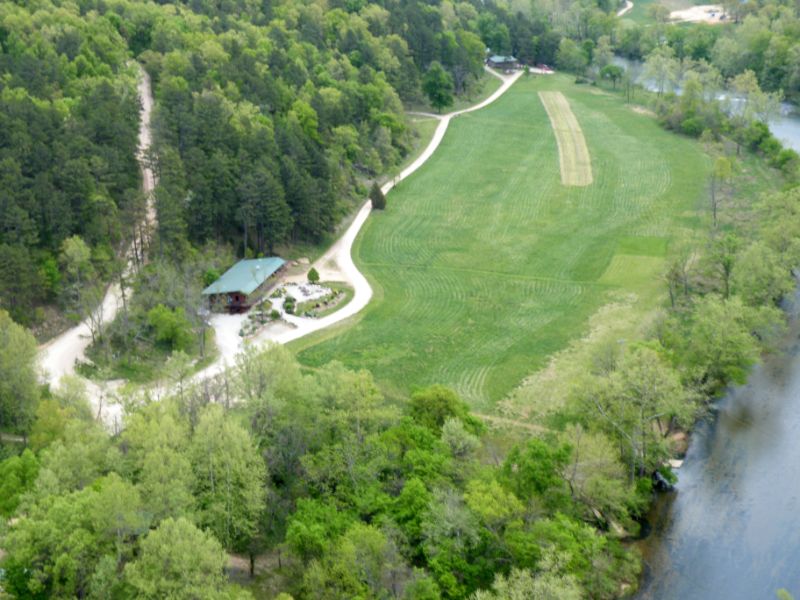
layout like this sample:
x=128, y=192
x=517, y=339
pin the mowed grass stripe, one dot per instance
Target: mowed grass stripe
x=575, y=161
x=483, y=263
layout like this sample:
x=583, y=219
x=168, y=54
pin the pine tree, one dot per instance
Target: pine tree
x=377, y=197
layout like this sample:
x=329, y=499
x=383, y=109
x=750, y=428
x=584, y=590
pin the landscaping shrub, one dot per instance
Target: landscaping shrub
x=171, y=327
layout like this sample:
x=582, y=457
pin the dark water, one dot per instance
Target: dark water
x=731, y=530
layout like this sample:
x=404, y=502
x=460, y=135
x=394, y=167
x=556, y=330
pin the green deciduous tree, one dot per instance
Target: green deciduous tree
x=313, y=527
x=612, y=73
x=533, y=469
x=179, y=561
x=571, y=57
x=17, y=476
x=82, y=455
x=722, y=259
x=719, y=345
x=55, y=549
x=661, y=67
x=759, y=277
x=432, y=406
x=636, y=402
x=19, y=390
x=230, y=478
x=450, y=533
x=363, y=563
x=547, y=584
x=595, y=475
x=438, y=86
x=171, y=327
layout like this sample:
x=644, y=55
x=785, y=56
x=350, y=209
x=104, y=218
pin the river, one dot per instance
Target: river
x=729, y=530
x=786, y=127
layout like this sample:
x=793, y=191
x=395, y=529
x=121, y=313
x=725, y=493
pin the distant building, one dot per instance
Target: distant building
x=502, y=62
x=243, y=284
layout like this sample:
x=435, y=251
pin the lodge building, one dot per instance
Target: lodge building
x=241, y=286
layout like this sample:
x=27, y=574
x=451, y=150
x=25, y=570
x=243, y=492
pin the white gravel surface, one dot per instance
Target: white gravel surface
x=703, y=13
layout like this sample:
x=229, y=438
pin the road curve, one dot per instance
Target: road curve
x=625, y=9
x=338, y=260
x=58, y=357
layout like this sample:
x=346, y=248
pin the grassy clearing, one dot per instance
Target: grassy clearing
x=484, y=264
x=640, y=13
x=143, y=364
x=478, y=91
x=573, y=154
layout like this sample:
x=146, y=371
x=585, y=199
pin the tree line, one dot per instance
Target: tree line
x=348, y=495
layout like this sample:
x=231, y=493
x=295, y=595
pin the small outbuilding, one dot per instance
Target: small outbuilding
x=243, y=284
x=504, y=63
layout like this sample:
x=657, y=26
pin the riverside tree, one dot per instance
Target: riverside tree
x=636, y=404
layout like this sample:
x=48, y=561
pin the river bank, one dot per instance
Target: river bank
x=726, y=531
x=785, y=126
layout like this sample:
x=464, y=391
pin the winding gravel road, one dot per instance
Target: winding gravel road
x=58, y=357
x=337, y=263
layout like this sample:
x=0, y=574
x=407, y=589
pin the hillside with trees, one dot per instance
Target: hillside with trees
x=272, y=123
x=68, y=172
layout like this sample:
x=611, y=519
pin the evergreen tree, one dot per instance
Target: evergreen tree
x=377, y=196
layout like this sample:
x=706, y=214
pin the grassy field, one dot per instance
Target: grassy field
x=640, y=13
x=484, y=264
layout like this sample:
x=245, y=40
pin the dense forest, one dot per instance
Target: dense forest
x=68, y=125
x=353, y=497
x=271, y=122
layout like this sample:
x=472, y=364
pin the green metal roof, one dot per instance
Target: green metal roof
x=245, y=276
x=502, y=59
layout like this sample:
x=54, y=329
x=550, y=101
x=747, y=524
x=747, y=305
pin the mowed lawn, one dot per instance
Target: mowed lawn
x=484, y=263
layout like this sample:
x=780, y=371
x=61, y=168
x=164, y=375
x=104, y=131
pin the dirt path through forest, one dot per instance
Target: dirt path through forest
x=58, y=356
x=625, y=9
